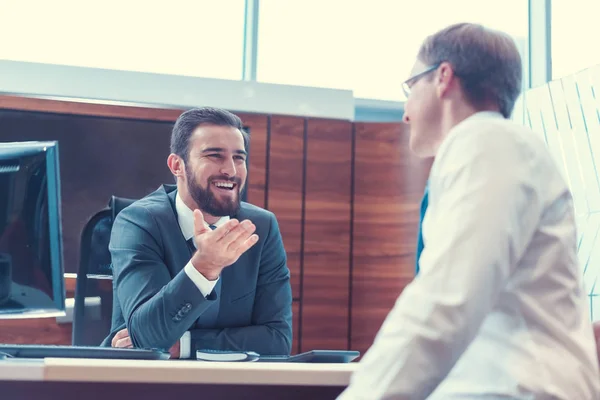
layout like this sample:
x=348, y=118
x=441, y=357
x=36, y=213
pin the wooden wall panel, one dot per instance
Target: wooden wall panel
x=388, y=185
x=257, y=160
x=34, y=331
x=285, y=177
x=327, y=235
x=343, y=285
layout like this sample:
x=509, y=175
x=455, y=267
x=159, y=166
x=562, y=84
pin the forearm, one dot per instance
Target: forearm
x=269, y=339
x=160, y=321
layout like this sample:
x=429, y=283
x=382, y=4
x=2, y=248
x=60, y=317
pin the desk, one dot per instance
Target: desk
x=87, y=379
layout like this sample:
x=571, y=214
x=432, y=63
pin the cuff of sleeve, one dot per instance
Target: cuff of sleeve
x=204, y=285
x=185, y=344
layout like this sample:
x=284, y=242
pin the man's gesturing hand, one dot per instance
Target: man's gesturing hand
x=222, y=247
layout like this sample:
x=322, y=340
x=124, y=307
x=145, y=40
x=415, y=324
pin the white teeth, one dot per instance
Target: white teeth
x=224, y=185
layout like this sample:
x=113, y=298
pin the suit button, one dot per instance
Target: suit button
x=187, y=307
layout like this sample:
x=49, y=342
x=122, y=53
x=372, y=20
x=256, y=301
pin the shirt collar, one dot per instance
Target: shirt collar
x=478, y=116
x=484, y=115
x=185, y=217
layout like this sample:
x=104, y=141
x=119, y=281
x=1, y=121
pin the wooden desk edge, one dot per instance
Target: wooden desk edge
x=194, y=372
x=21, y=370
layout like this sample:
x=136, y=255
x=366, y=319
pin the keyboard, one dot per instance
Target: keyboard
x=56, y=351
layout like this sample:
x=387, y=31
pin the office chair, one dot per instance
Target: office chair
x=94, y=277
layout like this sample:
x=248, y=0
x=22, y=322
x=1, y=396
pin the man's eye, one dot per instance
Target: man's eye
x=214, y=155
x=240, y=158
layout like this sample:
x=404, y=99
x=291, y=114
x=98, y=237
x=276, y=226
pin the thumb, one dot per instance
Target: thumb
x=199, y=227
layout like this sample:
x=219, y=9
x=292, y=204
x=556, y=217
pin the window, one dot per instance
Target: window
x=574, y=32
x=180, y=37
x=368, y=47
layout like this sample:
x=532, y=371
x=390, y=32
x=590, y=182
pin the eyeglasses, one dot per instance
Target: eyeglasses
x=407, y=85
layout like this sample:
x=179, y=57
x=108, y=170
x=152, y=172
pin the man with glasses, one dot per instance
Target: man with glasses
x=498, y=309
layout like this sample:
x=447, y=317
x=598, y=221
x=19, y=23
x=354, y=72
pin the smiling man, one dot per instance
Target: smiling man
x=194, y=267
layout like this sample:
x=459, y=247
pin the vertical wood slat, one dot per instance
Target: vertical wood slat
x=327, y=235
x=257, y=158
x=388, y=185
x=285, y=177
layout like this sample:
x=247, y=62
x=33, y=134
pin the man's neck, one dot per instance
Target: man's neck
x=210, y=219
x=457, y=112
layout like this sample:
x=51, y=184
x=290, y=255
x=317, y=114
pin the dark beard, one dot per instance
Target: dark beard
x=208, y=202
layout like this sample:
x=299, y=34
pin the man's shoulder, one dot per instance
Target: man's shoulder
x=493, y=136
x=154, y=204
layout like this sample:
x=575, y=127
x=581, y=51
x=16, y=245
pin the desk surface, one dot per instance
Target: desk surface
x=171, y=371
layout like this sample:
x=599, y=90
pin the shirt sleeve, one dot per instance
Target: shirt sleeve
x=204, y=285
x=185, y=346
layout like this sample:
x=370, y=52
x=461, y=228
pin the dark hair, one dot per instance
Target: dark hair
x=486, y=61
x=191, y=119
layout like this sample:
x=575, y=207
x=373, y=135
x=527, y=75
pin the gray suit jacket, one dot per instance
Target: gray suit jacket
x=249, y=309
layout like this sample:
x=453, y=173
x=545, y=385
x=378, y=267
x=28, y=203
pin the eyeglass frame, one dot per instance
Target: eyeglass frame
x=408, y=84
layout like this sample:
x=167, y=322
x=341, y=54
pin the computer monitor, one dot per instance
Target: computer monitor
x=31, y=258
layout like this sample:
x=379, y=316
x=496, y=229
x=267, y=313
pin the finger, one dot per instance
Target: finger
x=199, y=226
x=120, y=335
x=121, y=342
x=236, y=236
x=224, y=229
x=175, y=351
x=124, y=343
x=246, y=244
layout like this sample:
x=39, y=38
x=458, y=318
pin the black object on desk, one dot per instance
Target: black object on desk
x=56, y=351
x=315, y=356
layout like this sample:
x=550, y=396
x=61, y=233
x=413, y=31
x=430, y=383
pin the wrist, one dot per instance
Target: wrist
x=208, y=271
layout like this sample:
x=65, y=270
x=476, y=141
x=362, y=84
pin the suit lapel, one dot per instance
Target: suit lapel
x=181, y=250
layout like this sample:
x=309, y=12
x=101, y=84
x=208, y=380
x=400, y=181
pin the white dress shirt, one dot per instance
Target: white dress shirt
x=185, y=217
x=498, y=309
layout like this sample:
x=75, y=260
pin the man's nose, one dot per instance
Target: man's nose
x=228, y=167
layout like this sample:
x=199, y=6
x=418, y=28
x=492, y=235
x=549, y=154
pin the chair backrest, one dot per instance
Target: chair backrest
x=93, y=292
x=117, y=204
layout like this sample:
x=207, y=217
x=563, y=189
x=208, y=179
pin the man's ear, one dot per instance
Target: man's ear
x=176, y=165
x=444, y=78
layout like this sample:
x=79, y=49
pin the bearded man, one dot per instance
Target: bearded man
x=194, y=267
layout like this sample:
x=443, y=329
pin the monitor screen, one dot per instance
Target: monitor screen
x=31, y=264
